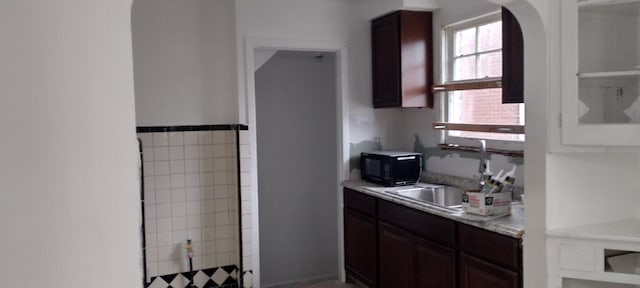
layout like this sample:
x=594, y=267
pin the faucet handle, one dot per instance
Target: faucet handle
x=482, y=167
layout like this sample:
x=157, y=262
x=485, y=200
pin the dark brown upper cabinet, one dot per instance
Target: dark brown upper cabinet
x=402, y=59
x=512, y=59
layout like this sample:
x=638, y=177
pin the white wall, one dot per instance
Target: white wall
x=380, y=7
x=296, y=108
x=219, y=58
x=331, y=21
x=69, y=210
x=592, y=188
x=341, y=25
x=184, y=56
x=532, y=21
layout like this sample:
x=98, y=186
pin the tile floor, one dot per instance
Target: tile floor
x=328, y=284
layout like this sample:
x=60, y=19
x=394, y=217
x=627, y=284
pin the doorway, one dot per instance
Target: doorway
x=296, y=133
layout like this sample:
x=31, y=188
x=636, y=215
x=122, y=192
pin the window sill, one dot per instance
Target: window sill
x=488, y=128
x=475, y=84
x=455, y=147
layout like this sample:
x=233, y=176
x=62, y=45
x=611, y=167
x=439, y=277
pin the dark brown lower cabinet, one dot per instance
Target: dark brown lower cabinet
x=388, y=245
x=360, y=246
x=395, y=256
x=407, y=260
x=475, y=273
x=435, y=265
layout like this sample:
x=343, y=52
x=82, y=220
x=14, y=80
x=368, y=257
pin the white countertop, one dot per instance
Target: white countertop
x=625, y=230
x=510, y=225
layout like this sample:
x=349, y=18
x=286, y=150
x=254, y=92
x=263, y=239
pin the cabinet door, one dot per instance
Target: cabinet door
x=600, y=72
x=385, y=37
x=490, y=246
x=416, y=58
x=475, y=273
x=360, y=246
x=395, y=256
x=512, y=59
x=402, y=58
x=435, y=265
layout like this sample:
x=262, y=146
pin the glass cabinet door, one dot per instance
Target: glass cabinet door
x=609, y=62
x=605, y=96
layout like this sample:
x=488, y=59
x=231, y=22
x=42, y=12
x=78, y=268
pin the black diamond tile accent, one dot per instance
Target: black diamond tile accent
x=229, y=281
x=158, y=281
x=229, y=269
x=210, y=284
x=186, y=128
x=189, y=275
x=169, y=278
x=210, y=271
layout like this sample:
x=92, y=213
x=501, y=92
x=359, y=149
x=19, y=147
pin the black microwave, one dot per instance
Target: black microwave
x=391, y=168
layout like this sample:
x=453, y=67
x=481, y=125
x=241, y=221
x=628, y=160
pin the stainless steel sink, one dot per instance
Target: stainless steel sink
x=449, y=198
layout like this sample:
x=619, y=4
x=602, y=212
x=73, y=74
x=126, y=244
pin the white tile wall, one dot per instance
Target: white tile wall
x=245, y=191
x=190, y=193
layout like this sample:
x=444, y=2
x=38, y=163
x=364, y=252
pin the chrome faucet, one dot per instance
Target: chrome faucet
x=482, y=167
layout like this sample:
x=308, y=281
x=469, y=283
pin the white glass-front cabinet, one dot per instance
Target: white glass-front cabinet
x=601, y=72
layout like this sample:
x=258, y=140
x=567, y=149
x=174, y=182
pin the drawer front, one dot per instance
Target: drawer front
x=475, y=273
x=360, y=202
x=426, y=225
x=490, y=246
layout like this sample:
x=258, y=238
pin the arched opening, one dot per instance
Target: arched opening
x=536, y=83
x=535, y=97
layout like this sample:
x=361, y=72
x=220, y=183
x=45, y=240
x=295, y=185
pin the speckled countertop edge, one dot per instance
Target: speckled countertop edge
x=511, y=225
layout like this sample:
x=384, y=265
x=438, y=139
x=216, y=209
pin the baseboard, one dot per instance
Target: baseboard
x=298, y=282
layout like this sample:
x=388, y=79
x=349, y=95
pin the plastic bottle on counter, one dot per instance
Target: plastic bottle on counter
x=508, y=184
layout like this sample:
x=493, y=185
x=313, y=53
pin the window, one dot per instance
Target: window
x=473, y=58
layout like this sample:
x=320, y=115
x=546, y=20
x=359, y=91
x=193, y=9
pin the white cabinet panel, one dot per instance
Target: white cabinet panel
x=601, y=72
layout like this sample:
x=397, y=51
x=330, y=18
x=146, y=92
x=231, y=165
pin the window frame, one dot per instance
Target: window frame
x=447, y=65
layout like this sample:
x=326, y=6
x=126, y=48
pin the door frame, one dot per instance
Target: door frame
x=342, y=129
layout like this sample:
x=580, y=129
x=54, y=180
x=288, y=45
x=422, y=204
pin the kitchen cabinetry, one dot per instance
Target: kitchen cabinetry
x=402, y=59
x=475, y=273
x=512, y=59
x=435, y=264
x=409, y=261
x=360, y=237
x=601, y=72
x=488, y=259
x=396, y=257
x=417, y=249
x=582, y=254
x=407, y=248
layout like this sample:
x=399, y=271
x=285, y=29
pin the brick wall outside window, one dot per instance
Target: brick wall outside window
x=480, y=106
